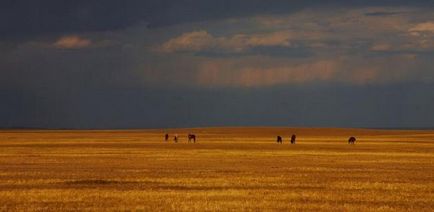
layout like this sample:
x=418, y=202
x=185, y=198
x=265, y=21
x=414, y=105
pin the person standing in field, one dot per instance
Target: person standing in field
x=175, y=139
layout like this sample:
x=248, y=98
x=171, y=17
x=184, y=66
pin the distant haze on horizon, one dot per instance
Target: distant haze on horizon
x=165, y=64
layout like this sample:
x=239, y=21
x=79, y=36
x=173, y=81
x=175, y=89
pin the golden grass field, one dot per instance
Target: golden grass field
x=228, y=169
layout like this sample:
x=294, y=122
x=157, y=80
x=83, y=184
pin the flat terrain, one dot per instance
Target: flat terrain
x=228, y=169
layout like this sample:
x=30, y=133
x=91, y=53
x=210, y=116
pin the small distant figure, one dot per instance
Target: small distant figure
x=279, y=139
x=293, y=137
x=175, y=138
x=352, y=140
x=166, y=137
x=191, y=137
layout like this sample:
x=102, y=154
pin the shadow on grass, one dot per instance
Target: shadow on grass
x=99, y=182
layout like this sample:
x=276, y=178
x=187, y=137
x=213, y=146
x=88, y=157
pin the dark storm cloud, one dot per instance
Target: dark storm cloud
x=21, y=19
x=397, y=106
x=383, y=13
x=185, y=63
x=268, y=51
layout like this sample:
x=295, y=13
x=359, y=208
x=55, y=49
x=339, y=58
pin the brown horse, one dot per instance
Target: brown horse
x=352, y=140
x=191, y=137
x=279, y=139
x=293, y=137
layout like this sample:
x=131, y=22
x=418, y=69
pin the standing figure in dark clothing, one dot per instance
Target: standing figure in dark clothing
x=279, y=139
x=293, y=137
x=175, y=138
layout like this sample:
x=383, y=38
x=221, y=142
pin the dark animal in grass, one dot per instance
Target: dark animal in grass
x=191, y=137
x=166, y=137
x=352, y=140
x=279, y=139
x=293, y=137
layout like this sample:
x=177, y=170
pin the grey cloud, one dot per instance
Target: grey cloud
x=309, y=106
x=129, y=85
x=383, y=13
x=27, y=19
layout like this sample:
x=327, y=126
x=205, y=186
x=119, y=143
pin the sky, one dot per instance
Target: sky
x=109, y=64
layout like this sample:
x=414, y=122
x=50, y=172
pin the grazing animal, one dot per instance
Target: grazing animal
x=279, y=139
x=293, y=137
x=166, y=137
x=352, y=140
x=175, y=138
x=191, y=137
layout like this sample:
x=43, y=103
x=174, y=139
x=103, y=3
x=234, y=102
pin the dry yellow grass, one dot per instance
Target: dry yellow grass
x=228, y=169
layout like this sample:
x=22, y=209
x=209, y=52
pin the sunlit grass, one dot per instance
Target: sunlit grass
x=237, y=169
